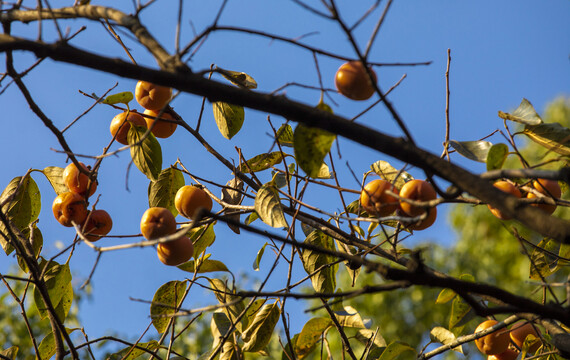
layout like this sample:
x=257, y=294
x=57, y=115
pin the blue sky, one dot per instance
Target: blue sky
x=501, y=52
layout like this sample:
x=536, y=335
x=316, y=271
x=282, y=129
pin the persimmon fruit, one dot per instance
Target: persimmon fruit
x=77, y=181
x=121, y=124
x=507, y=187
x=417, y=190
x=151, y=96
x=69, y=208
x=189, y=199
x=494, y=343
x=546, y=187
x=509, y=354
x=352, y=81
x=376, y=201
x=175, y=252
x=99, y=223
x=425, y=223
x=519, y=333
x=157, y=222
x=160, y=128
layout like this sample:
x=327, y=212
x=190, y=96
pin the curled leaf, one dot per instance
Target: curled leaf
x=474, y=150
x=261, y=162
x=239, y=78
x=524, y=114
x=119, y=98
x=268, y=206
x=552, y=136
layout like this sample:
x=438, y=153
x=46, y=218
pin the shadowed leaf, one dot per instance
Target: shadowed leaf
x=261, y=162
x=162, y=192
x=311, y=146
x=229, y=118
x=496, y=157
x=320, y=265
x=268, y=206
x=553, y=136
x=145, y=151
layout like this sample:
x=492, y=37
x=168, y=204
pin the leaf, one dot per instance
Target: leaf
x=309, y=336
x=259, y=332
x=318, y=265
x=349, y=317
x=261, y=162
x=55, y=178
x=225, y=296
x=47, y=348
x=311, y=145
x=162, y=192
x=474, y=150
x=134, y=352
x=496, y=156
x=443, y=336
x=229, y=118
x=395, y=349
x=205, y=266
x=389, y=173
x=251, y=218
x=22, y=205
x=543, y=260
x=239, y=78
x=268, y=206
x=459, y=310
x=252, y=310
x=10, y=353
x=445, y=295
x=365, y=335
x=285, y=135
x=524, y=114
x=219, y=326
x=145, y=151
x=122, y=97
x=166, y=300
x=324, y=172
x=36, y=240
x=552, y=136
x=202, y=237
x=231, y=194
x=57, y=280
x=258, y=257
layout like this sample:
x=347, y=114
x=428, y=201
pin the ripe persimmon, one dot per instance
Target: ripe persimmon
x=121, y=124
x=157, y=222
x=507, y=187
x=151, y=96
x=376, y=201
x=418, y=190
x=496, y=342
x=509, y=354
x=519, y=333
x=189, y=199
x=548, y=188
x=175, y=252
x=352, y=81
x=69, y=208
x=99, y=223
x=77, y=181
x=160, y=128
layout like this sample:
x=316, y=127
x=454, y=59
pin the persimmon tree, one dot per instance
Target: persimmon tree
x=268, y=194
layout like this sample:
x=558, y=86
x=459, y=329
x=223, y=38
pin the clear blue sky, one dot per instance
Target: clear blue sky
x=501, y=52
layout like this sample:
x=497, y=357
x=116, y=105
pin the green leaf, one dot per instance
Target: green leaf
x=445, y=295
x=205, y=266
x=166, y=300
x=309, y=336
x=230, y=351
x=47, y=348
x=145, y=151
x=320, y=265
x=268, y=206
x=395, y=349
x=389, y=173
x=55, y=178
x=57, y=280
x=378, y=343
x=349, y=317
x=497, y=155
x=131, y=353
x=543, y=260
x=22, y=205
x=162, y=192
x=258, y=257
x=459, y=310
x=36, y=240
x=239, y=78
x=202, y=237
x=311, y=146
x=285, y=135
x=253, y=309
x=119, y=98
x=261, y=162
x=220, y=325
x=229, y=118
x=251, y=218
x=524, y=114
x=474, y=150
x=10, y=353
x=259, y=331
x=225, y=296
x=553, y=136
x=324, y=172
x=443, y=336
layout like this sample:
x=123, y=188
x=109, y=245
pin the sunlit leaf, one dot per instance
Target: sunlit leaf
x=376, y=341
x=161, y=193
x=459, y=310
x=268, y=206
x=524, y=114
x=285, y=135
x=225, y=296
x=309, y=336
x=47, y=348
x=389, y=173
x=349, y=317
x=443, y=336
x=259, y=331
x=395, y=349
x=57, y=280
x=145, y=151
x=445, y=296
x=261, y=162
x=10, y=353
x=311, y=146
x=552, y=136
x=119, y=98
x=497, y=155
x=324, y=172
x=323, y=280
x=202, y=237
x=251, y=218
x=229, y=118
x=239, y=78
x=258, y=257
x=474, y=150
x=55, y=178
x=205, y=266
x=543, y=260
x=131, y=353
x=166, y=300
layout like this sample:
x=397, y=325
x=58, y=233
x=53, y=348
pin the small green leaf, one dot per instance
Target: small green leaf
x=251, y=218
x=205, y=266
x=35, y=239
x=57, y=280
x=55, y=178
x=497, y=155
x=389, y=173
x=261, y=162
x=285, y=135
x=395, y=349
x=47, y=346
x=543, y=260
x=131, y=353
x=320, y=265
x=229, y=118
x=10, y=353
x=202, y=237
x=258, y=257
x=259, y=331
x=552, y=136
x=443, y=336
x=166, y=300
x=145, y=151
x=459, y=310
x=474, y=150
x=225, y=296
x=162, y=192
x=524, y=114
x=311, y=146
x=119, y=98
x=268, y=206
x=239, y=78
x=445, y=296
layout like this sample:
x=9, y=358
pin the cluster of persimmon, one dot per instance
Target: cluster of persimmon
x=539, y=188
x=377, y=201
x=71, y=207
x=158, y=222
x=505, y=344
x=154, y=98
